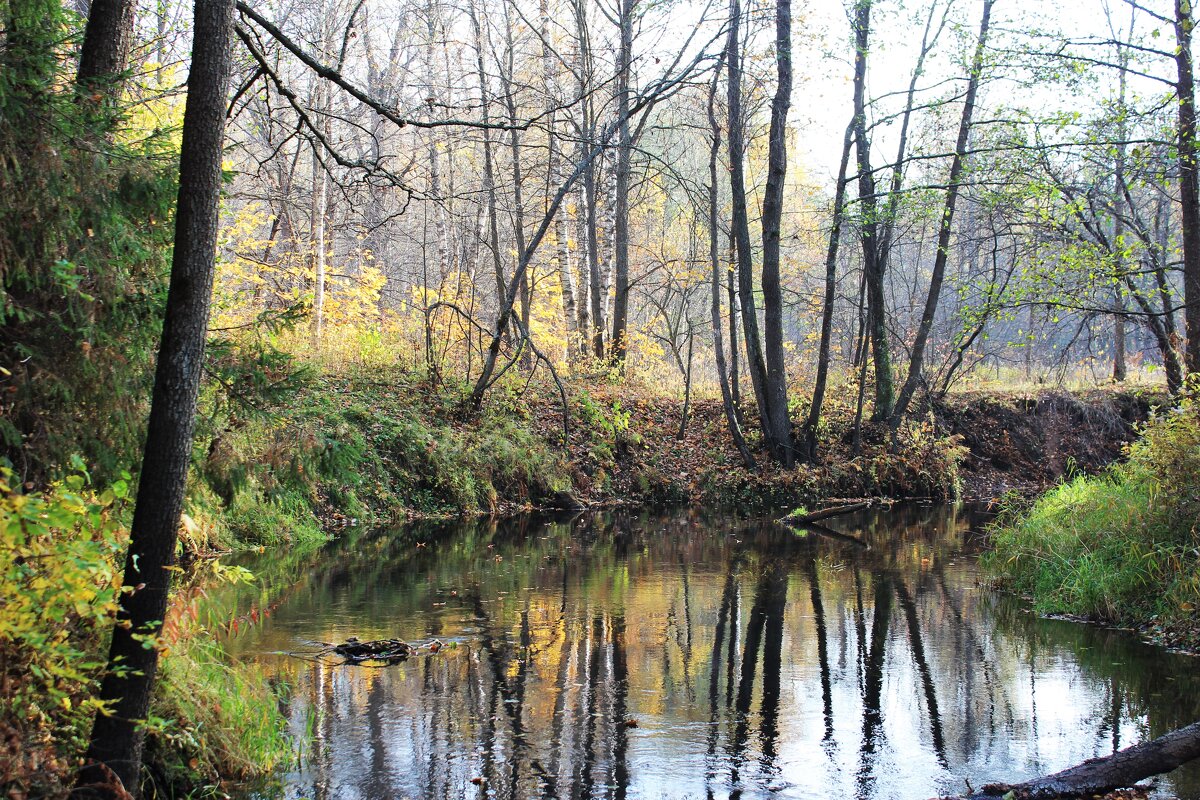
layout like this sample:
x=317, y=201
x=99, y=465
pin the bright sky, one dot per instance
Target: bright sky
x=821, y=103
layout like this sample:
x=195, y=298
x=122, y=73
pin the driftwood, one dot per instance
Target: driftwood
x=809, y=522
x=825, y=513
x=387, y=650
x=1100, y=775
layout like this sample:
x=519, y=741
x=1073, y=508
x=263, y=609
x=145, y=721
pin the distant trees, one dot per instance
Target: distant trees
x=553, y=85
x=517, y=206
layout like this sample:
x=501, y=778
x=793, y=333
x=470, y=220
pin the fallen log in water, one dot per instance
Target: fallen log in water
x=821, y=530
x=809, y=522
x=803, y=519
x=1098, y=776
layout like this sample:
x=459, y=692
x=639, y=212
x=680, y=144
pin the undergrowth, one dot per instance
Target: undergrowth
x=1122, y=546
x=213, y=721
x=59, y=583
x=356, y=449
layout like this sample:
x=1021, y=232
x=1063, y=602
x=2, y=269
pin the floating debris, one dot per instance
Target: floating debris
x=390, y=651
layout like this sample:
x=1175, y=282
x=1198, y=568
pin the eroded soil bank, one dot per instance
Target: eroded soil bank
x=976, y=446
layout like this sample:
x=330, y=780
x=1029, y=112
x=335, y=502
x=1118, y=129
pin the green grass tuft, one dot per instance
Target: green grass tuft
x=1123, y=546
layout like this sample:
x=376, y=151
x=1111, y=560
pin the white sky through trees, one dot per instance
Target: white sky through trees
x=823, y=56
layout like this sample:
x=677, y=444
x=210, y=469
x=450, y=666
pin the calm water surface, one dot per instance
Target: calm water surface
x=688, y=655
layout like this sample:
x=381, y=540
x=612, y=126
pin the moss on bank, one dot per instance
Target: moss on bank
x=1122, y=546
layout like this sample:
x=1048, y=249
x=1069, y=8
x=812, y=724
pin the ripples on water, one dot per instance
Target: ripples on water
x=689, y=655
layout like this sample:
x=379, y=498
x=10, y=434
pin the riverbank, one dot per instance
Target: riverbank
x=367, y=448
x=1121, y=547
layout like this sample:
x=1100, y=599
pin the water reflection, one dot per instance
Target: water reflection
x=686, y=655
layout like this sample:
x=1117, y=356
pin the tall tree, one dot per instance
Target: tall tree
x=946, y=224
x=117, y=737
x=873, y=267
x=587, y=133
x=1189, y=181
x=740, y=218
x=620, y=309
x=566, y=276
x=714, y=255
x=508, y=75
x=772, y=211
x=489, y=169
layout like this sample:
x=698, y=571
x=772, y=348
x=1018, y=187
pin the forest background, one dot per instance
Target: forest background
x=478, y=255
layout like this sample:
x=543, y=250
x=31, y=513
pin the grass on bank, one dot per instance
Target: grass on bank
x=1122, y=546
x=60, y=551
x=214, y=721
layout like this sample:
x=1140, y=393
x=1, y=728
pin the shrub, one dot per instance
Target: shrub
x=58, y=592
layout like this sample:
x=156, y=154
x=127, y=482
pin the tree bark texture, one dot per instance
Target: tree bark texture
x=1189, y=182
x=106, y=41
x=116, y=740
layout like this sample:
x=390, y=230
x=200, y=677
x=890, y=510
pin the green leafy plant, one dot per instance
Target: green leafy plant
x=58, y=593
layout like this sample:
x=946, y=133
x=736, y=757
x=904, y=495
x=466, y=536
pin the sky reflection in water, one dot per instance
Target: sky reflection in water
x=689, y=655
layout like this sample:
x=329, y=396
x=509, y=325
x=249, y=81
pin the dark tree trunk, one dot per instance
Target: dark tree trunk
x=620, y=310
x=595, y=291
x=741, y=222
x=917, y=358
x=105, y=51
x=818, y=398
x=1189, y=183
x=873, y=268
x=116, y=740
x=772, y=211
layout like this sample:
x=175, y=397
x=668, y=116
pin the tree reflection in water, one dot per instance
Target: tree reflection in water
x=610, y=656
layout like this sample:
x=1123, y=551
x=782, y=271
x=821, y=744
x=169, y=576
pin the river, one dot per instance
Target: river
x=687, y=655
